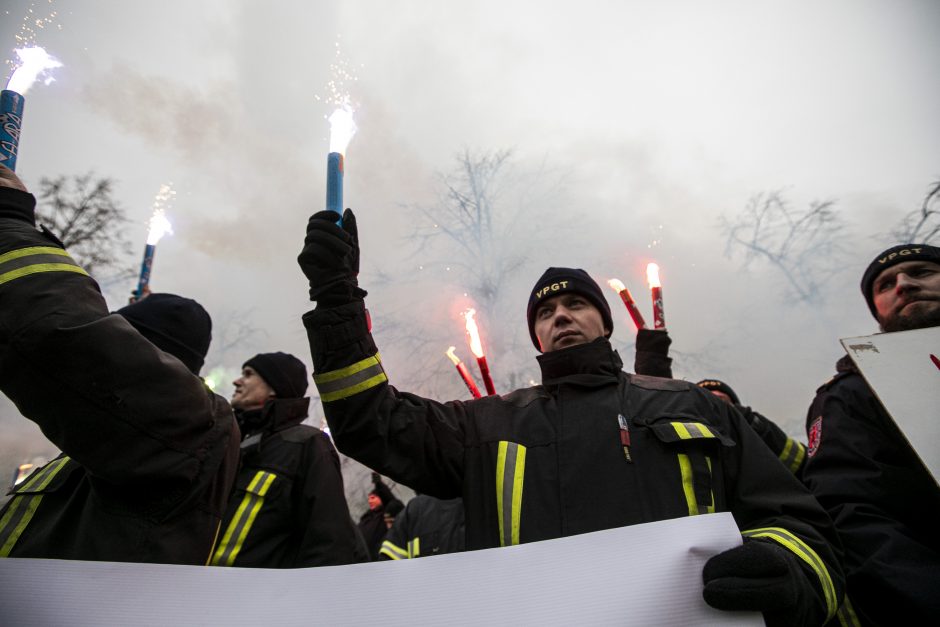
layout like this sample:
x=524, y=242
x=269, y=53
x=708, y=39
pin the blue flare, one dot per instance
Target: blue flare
x=334, y=185
x=145, y=268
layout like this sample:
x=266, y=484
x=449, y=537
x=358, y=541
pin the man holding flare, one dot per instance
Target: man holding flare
x=591, y=448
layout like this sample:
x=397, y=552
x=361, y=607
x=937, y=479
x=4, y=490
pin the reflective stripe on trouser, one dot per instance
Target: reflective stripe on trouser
x=34, y=259
x=802, y=550
x=510, y=470
x=244, y=518
x=696, y=484
x=359, y=377
x=792, y=455
x=846, y=614
x=23, y=506
x=392, y=551
x=690, y=430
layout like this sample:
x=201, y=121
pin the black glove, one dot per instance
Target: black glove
x=762, y=577
x=652, y=353
x=330, y=259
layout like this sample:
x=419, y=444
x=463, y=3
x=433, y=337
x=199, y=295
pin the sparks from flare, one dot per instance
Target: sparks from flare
x=39, y=17
x=34, y=63
x=463, y=372
x=159, y=225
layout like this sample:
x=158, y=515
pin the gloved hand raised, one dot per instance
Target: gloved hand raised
x=330, y=259
x=763, y=577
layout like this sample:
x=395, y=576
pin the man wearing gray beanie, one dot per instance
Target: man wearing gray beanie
x=859, y=465
x=591, y=448
x=288, y=509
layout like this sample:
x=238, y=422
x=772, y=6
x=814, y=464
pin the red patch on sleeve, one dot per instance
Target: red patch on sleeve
x=815, y=434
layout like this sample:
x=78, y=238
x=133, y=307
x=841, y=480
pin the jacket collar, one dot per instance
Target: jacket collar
x=277, y=414
x=592, y=364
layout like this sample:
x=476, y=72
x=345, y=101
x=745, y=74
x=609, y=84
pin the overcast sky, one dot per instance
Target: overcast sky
x=647, y=121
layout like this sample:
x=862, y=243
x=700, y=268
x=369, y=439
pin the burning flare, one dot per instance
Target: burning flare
x=34, y=62
x=342, y=128
x=476, y=346
x=652, y=275
x=616, y=285
x=453, y=356
x=159, y=226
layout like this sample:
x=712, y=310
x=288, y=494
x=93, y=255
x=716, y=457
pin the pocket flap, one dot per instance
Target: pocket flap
x=685, y=429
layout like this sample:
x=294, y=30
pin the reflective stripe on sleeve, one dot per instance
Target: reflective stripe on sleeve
x=392, y=551
x=244, y=518
x=23, y=506
x=846, y=614
x=359, y=377
x=688, y=487
x=34, y=259
x=510, y=471
x=414, y=547
x=802, y=550
x=792, y=455
x=689, y=430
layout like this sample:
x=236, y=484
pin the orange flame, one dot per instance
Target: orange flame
x=616, y=285
x=453, y=356
x=473, y=333
x=652, y=275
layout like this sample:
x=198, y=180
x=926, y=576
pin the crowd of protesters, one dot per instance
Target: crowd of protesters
x=155, y=467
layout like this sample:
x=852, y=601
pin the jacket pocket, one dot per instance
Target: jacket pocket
x=27, y=496
x=696, y=446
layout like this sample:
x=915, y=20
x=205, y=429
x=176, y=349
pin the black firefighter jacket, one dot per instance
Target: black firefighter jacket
x=288, y=509
x=427, y=526
x=150, y=453
x=884, y=503
x=591, y=448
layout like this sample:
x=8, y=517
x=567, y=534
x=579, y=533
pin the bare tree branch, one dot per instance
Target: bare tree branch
x=922, y=226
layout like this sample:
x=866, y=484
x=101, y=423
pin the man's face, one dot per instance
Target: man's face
x=907, y=296
x=251, y=391
x=374, y=502
x=567, y=320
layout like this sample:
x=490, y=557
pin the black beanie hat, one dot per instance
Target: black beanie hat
x=892, y=257
x=286, y=374
x=557, y=281
x=176, y=325
x=714, y=385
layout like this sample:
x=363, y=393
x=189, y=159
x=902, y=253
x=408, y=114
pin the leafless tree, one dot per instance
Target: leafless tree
x=803, y=245
x=82, y=212
x=922, y=226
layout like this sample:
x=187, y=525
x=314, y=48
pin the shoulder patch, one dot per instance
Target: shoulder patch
x=814, y=434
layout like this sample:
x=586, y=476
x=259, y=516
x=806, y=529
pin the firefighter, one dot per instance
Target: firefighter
x=149, y=452
x=790, y=452
x=427, y=526
x=884, y=502
x=591, y=448
x=288, y=509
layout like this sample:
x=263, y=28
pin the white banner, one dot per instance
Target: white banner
x=641, y=575
x=903, y=369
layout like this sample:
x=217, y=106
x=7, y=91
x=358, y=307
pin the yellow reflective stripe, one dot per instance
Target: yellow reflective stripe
x=240, y=524
x=706, y=432
x=685, y=467
x=415, y=548
x=32, y=250
x=802, y=550
x=510, y=475
x=392, y=551
x=335, y=375
x=23, y=506
x=500, y=473
x=517, y=480
x=215, y=540
x=355, y=389
x=847, y=614
x=798, y=459
x=343, y=383
x=6, y=277
x=785, y=453
x=682, y=432
x=710, y=509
